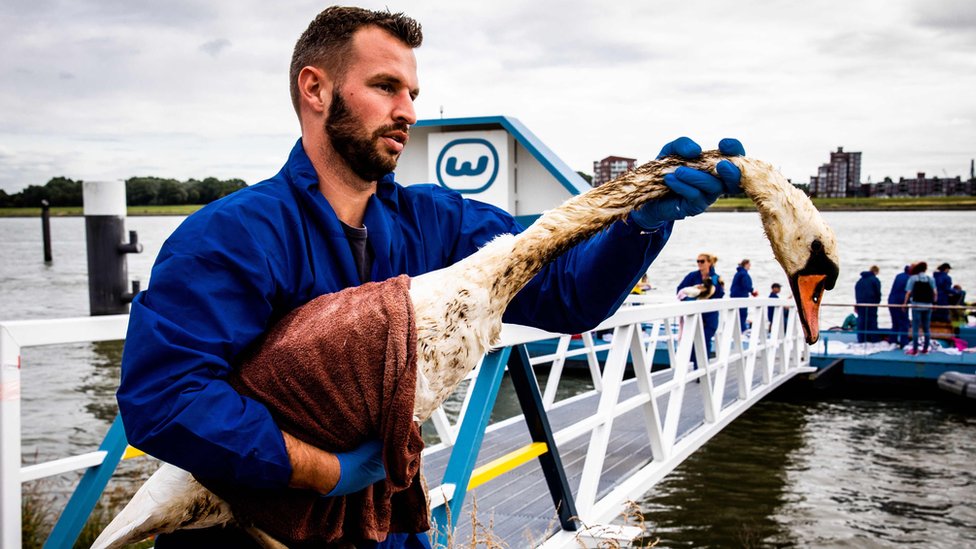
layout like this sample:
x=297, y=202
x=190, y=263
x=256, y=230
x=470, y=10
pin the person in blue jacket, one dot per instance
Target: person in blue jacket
x=706, y=271
x=943, y=284
x=774, y=291
x=742, y=287
x=899, y=314
x=334, y=217
x=867, y=290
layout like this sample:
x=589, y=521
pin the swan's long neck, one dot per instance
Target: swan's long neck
x=586, y=214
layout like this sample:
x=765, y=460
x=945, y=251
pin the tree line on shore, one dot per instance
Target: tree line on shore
x=139, y=191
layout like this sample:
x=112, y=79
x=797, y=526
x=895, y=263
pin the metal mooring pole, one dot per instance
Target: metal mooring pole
x=108, y=274
x=46, y=230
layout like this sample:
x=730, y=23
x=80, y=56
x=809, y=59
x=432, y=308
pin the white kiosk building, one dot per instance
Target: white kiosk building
x=493, y=159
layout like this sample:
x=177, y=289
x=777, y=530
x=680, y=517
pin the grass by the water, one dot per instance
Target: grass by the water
x=722, y=205
x=75, y=211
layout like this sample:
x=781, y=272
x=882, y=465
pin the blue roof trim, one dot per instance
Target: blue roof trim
x=566, y=176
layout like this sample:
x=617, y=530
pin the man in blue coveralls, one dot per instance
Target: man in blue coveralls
x=332, y=218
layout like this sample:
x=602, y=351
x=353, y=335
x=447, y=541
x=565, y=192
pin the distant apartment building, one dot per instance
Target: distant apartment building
x=839, y=178
x=920, y=186
x=610, y=168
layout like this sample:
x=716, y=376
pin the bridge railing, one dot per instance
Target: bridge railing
x=774, y=349
x=759, y=359
x=98, y=464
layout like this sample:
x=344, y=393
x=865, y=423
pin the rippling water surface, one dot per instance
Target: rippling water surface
x=839, y=473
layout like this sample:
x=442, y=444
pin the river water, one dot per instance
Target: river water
x=836, y=473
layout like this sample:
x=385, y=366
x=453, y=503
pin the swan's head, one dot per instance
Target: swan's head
x=802, y=242
x=818, y=273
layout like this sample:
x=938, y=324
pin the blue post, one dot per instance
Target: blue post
x=89, y=490
x=527, y=390
x=472, y=432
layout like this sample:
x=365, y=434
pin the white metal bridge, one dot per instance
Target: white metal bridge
x=562, y=472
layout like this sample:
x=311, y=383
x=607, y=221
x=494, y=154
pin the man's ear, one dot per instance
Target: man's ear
x=314, y=89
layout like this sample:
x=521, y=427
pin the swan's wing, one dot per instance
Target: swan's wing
x=171, y=499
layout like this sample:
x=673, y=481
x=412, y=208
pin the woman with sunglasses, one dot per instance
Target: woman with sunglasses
x=706, y=271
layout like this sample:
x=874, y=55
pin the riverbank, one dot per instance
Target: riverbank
x=722, y=205
x=78, y=211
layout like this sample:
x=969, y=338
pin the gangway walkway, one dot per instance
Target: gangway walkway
x=520, y=504
x=540, y=478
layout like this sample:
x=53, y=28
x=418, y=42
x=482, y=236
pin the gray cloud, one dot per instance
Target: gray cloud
x=214, y=47
x=948, y=15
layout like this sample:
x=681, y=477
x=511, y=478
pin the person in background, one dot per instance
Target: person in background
x=706, y=271
x=642, y=286
x=742, y=287
x=920, y=291
x=899, y=314
x=774, y=291
x=850, y=322
x=867, y=290
x=943, y=285
x=957, y=298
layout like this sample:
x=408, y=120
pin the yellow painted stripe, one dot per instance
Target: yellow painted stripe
x=131, y=452
x=506, y=463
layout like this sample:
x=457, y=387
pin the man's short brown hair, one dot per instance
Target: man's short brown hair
x=326, y=41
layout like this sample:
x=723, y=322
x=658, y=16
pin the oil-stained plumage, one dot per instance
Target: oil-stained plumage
x=458, y=309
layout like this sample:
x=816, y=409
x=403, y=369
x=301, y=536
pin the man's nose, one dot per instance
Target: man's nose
x=403, y=110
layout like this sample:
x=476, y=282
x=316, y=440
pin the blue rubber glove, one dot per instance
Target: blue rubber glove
x=693, y=190
x=359, y=468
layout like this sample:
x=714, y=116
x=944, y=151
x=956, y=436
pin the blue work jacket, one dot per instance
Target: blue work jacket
x=897, y=293
x=235, y=267
x=694, y=278
x=709, y=320
x=741, y=283
x=868, y=288
x=943, y=283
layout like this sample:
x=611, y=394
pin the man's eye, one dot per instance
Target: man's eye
x=385, y=87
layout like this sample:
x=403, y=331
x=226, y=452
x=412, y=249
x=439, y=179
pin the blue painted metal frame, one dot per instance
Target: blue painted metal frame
x=89, y=490
x=536, y=419
x=566, y=176
x=472, y=432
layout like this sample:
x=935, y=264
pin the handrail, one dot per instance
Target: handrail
x=773, y=350
x=14, y=336
x=903, y=306
x=768, y=346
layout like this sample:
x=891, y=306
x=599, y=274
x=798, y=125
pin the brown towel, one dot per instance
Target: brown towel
x=335, y=373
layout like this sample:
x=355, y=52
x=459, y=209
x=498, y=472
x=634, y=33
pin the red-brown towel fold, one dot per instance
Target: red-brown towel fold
x=335, y=373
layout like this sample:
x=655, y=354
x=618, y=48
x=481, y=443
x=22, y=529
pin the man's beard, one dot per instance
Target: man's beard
x=360, y=151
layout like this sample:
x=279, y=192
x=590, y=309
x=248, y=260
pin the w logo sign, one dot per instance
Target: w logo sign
x=467, y=165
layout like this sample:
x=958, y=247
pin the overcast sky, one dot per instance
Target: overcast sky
x=110, y=89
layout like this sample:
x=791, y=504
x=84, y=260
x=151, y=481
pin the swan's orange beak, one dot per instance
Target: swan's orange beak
x=808, y=284
x=808, y=291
